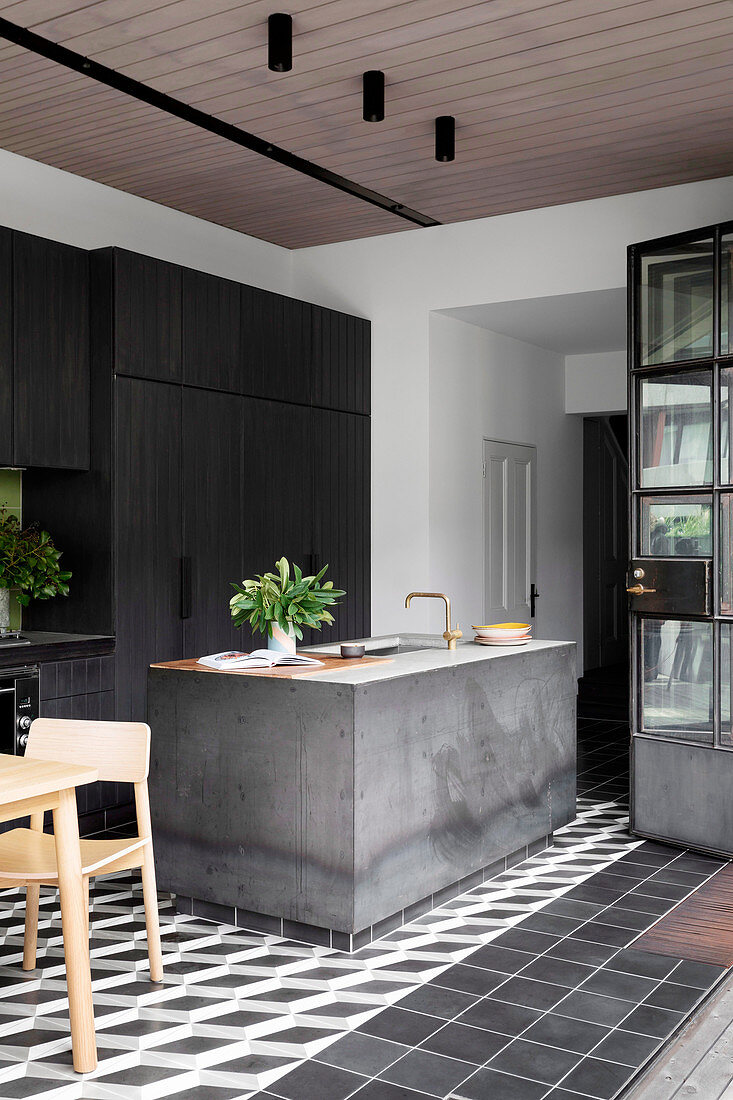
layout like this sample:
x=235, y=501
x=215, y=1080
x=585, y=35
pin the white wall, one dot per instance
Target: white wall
x=67, y=208
x=397, y=280
x=596, y=384
x=487, y=386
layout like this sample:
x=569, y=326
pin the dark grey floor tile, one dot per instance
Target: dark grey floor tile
x=583, y=951
x=552, y=924
x=675, y=874
x=566, y=907
x=588, y=892
x=627, y=987
x=680, y=998
x=26, y=1088
x=523, y=938
x=469, y=979
x=432, y=1073
x=536, y=1062
x=470, y=1044
x=592, y=1077
x=555, y=1094
x=500, y=1016
x=596, y=932
x=644, y=963
x=487, y=1084
x=401, y=1026
x=566, y=1033
x=208, y=1092
x=701, y=975
x=385, y=1090
x=619, y=917
x=652, y=1021
x=362, y=1053
x=503, y=959
x=662, y=890
x=559, y=971
x=434, y=1000
x=645, y=903
x=533, y=994
x=626, y=1049
x=313, y=1078
x=594, y=1008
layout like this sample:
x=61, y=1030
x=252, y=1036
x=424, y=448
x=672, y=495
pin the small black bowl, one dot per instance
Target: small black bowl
x=352, y=650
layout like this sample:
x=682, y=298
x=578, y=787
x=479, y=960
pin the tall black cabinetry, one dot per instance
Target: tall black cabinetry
x=44, y=353
x=229, y=426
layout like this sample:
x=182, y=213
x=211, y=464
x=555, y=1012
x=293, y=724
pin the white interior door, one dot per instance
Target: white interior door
x=510, y=530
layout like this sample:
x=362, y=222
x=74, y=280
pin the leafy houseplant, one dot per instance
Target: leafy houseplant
x=29, y=563
x=280, y=604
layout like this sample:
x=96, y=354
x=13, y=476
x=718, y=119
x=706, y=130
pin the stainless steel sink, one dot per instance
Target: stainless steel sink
x=390, y=650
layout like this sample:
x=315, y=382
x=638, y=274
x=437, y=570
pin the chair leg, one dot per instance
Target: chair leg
x=32, y=897
x=30, y=940
x=86, y=899
x=152, y=924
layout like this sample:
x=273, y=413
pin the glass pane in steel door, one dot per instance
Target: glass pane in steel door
x=726, y=411
x=726, y=295
x=676, y=429
x=676, y=292
x=677, y=678
x=726, y=676
x=726, y=550
x=676, y=526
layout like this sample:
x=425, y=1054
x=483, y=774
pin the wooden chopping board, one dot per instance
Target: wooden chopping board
x=282, y=672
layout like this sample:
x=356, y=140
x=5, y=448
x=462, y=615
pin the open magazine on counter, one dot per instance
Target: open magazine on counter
x=259, y=658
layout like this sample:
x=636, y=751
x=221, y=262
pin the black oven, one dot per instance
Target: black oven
x=18, y=707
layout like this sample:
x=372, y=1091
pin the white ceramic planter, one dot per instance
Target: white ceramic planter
x=280, y=641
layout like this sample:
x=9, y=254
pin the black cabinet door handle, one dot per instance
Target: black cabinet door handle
x=533, y=597
x=186, y=588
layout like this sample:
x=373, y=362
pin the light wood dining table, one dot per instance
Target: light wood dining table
x=29, y=787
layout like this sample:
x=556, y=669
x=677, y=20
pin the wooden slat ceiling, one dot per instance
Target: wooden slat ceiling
x=555, y=101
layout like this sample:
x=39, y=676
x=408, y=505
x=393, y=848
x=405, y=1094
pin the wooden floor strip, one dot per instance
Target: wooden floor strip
x=700, y=927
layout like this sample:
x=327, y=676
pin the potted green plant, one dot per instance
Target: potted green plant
x=29, y=564
x=280, y=604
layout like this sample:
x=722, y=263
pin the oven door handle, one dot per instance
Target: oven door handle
x=7, y=691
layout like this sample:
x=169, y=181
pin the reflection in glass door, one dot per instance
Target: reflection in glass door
x=681, y=573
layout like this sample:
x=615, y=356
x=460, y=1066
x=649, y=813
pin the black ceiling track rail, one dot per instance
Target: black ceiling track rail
x=36, y=43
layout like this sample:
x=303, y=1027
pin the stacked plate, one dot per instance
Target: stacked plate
x=503, y=634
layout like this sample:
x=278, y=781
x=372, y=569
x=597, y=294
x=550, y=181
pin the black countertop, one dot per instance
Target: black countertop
x=45, y=646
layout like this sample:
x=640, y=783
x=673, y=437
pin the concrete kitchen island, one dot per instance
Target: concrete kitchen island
x=330, y=807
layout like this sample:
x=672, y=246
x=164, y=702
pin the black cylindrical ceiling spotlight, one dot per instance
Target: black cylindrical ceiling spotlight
x=280, y=42
x=445, y=138
x=373, y=84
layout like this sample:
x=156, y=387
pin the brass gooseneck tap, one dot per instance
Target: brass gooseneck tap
x=451, y=636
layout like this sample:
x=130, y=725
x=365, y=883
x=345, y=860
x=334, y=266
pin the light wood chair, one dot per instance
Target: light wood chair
x=121, y=753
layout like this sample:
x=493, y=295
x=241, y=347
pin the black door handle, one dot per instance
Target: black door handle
x=533, y=597
x=186, y=588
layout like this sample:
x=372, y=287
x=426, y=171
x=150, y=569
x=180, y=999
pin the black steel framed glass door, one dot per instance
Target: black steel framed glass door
x=680, y=579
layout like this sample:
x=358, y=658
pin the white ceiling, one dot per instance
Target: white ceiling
x=571, y=324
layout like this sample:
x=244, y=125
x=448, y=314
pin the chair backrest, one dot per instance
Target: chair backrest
x=120, y=750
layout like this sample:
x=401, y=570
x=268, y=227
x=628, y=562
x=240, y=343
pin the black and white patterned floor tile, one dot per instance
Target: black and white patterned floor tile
x=520, y=989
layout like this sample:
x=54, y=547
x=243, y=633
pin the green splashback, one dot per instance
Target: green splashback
x=11, y=482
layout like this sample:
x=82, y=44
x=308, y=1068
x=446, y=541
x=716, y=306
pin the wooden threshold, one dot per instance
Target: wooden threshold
x=700, y=927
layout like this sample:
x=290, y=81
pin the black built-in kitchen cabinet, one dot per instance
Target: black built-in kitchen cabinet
x=6, y=348
x=148, y=557
x=341, y=516
x=147, y=316
x=212, y=334
x=340, y=348
x=229, y=427
x=214, y=478
x=51, y=396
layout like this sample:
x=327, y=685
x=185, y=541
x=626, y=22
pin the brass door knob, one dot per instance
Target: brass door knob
x=639, y=590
